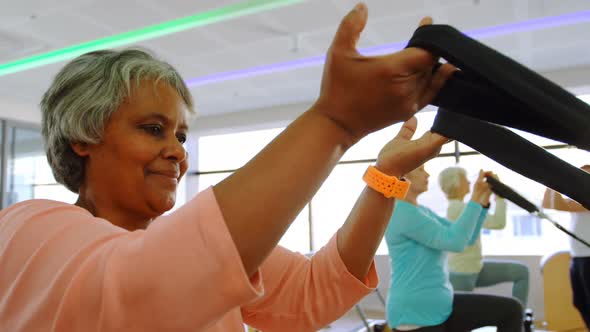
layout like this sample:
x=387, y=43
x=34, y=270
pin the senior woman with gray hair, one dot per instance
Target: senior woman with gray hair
x=115, y=123
x=468, y=269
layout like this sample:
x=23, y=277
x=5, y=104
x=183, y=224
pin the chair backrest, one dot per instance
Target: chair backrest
x=560, y=313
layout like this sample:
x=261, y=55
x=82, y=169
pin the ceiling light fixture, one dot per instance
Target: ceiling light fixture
x=209, y=17
x=481, y=33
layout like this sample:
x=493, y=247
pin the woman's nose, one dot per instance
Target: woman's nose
x=175, y=150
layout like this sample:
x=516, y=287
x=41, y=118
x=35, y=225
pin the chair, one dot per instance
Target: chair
x=560, y=313
x=368, y=323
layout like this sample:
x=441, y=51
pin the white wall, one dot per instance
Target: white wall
x=18, y=111
x=576, y=79
x=275, y=117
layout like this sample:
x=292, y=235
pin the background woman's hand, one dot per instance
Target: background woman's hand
x=401, y=155
x=363, y=94
x=481, y=189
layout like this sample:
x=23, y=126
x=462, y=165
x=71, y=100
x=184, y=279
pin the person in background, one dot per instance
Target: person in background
x=580, y=263
x=420, y=296
x=114, y=124
x=468, y=269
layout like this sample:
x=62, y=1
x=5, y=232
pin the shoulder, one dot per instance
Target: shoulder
x=408, y=216
x=45, y=215
x=403, y=207
x=428, y=212
x=456, y=204
x=34, y=207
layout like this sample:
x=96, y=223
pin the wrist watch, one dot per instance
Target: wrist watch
x=389, y=186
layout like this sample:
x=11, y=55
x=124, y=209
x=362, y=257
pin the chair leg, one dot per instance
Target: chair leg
x=359, y=310
x=381, y=298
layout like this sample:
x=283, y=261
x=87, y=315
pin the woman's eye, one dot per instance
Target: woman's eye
x=181, y=138
x=154, y=130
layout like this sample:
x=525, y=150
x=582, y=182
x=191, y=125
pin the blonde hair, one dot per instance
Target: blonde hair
x=449, y=178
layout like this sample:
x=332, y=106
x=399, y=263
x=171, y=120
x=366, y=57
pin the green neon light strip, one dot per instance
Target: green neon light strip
x=153, y=31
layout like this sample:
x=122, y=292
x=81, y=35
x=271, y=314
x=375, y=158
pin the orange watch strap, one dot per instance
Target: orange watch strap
x=389, y=186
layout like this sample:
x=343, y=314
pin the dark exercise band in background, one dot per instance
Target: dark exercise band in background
x=508, y=193
x=516, y=153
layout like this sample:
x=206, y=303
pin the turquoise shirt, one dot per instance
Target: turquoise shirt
x=420, y=292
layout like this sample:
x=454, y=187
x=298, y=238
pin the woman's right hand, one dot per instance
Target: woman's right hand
x=481, y=189
x=364, y=94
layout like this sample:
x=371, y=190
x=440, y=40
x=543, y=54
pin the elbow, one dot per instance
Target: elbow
x=453, y=243
x=313, y=320
x=306, y=323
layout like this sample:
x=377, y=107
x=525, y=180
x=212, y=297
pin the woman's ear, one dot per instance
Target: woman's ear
x=81, y=149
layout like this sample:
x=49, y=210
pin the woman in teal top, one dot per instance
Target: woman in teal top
x=420, y=295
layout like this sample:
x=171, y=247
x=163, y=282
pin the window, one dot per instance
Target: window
x=329, y=208
x=526, y=225
x=369, y=147
x=333, y=202
x=524, y=234
x=231, y=151
x=331, y=205
x=28, y=174
x=218, y=157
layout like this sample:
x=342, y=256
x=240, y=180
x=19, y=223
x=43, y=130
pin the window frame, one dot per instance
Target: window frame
x=6, y=147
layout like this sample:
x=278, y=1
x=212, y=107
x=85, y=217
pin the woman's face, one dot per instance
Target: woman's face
x=419, y=178
x=463, y=188
x=137, y=166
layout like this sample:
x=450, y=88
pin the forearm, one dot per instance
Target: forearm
x=548, y=199
x=477, y=230
x=361, y=234
x=467, y=227
x=554, y=200
x=498, y=219
x=434, y=231
x=260, y=200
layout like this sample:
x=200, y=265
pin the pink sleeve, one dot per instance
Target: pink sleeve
x=304, y=294
x=66, y=269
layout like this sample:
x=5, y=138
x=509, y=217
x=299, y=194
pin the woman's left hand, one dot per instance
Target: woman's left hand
x=401, y=155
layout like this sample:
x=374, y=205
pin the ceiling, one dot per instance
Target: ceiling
x=289, y=33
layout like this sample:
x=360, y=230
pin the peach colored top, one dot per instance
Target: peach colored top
x=62, y=269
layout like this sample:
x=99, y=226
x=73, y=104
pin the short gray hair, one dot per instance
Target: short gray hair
x=449, y=178
x=84, y=95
